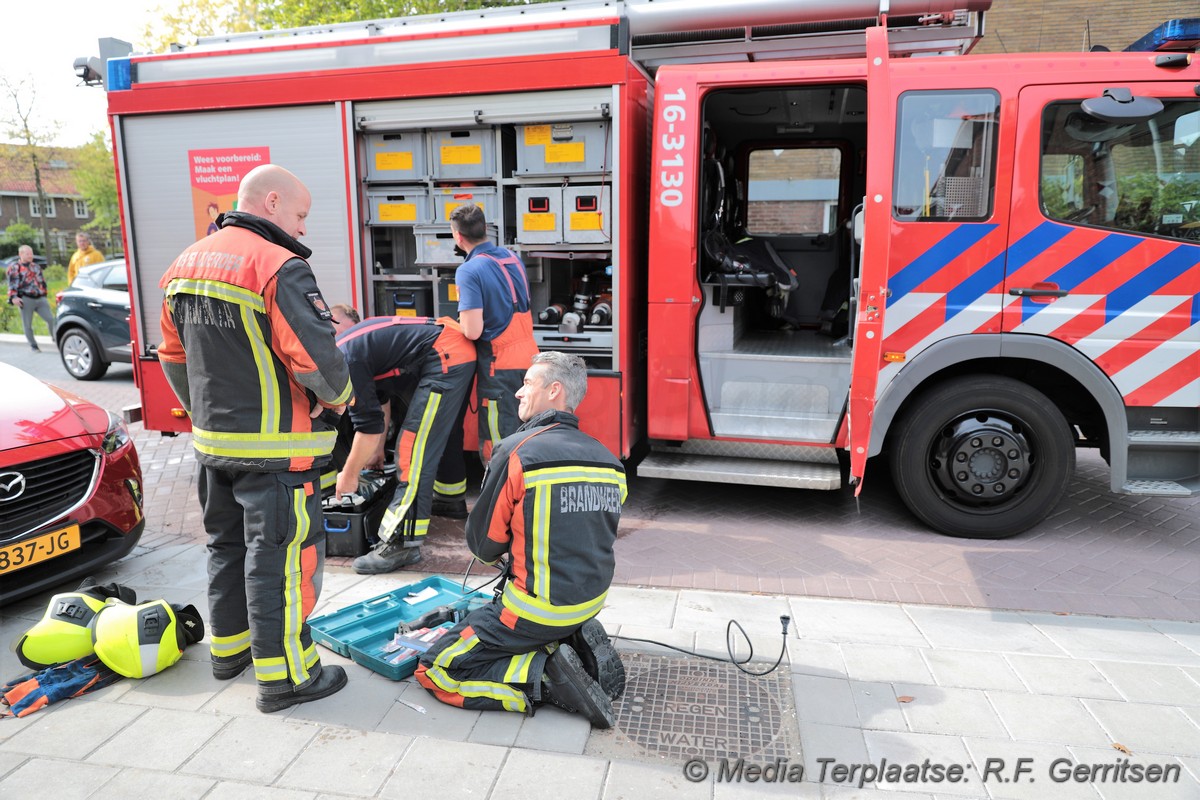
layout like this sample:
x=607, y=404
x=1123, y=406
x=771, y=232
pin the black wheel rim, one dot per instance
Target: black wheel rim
x=982, y=460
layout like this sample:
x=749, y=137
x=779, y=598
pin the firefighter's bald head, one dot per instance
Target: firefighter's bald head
x=273, y=193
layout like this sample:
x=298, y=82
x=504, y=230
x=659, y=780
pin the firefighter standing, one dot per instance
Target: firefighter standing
x=378, y=350
x=550, y=502
x=493, y=309
x=248, y=349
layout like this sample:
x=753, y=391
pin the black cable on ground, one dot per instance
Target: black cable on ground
x=784, y=620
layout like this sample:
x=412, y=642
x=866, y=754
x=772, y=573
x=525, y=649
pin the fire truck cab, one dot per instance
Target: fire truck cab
x=786, y=236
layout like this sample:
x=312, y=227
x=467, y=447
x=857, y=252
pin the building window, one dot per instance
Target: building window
x=946, y=155
x=1141, y=176
x=792, y=190
x=81, y=209
x=35, y=208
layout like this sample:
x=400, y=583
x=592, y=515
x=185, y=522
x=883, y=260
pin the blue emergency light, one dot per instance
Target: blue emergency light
x=1176, y=34
x=120, y=74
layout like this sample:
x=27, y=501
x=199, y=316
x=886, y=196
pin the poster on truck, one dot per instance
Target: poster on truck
x=215, y=178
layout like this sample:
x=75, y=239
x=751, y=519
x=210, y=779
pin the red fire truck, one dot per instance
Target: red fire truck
x=786, y=235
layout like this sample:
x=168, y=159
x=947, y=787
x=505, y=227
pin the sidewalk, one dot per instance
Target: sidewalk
x=869, y=685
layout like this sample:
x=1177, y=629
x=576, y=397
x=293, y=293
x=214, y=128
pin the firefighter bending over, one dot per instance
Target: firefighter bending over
x=550, y=503
x=379, y=351
x=248, y=349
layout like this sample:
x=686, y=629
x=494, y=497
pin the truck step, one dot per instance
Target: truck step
x=1159, y=488
x=1155, y=438
x=743, y=471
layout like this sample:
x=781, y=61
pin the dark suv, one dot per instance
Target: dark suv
x=93, y=320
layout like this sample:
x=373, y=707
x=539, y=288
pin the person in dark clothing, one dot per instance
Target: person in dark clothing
x=378, y=351
x=550, y=504
x=248, y=349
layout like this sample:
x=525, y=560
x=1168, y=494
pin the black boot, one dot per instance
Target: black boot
x=386, y=557
x=331, y=680
x=566, y=684
x=451, y=507
x=600, y=659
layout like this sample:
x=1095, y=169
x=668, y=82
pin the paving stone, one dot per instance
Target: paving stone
x=424, y=770
x=971, y=669
x=53, y=778
x=629, y=781
x=71, y=728
x=992, y=631
x=188, y=685
x=10, y=761
x=645, y=607
x=438, y=720
x=1018, y=770
x=808, y=657
x=1063, y=676
x=942, y=710
x=1185, y=633
x=843, y=744
x=887, y=663
x=1098, y=638
x=1115, y=788
x=1146, y=728
x=251, y=749
x=160, y=739
x=763, y=648
x=1151, y=683
x=843, y=621
x=1055, y=720
x=499, y=729
x=541, y=776
x=345, y=760
x=826, y=701
x=232, y=790
x=744, y=790
x=363, y=707
x=914, y=748
x=685, y=640
x=877, y=707
x=553, y=729
x=146, y=784
x=850, y=793
x=711, y=612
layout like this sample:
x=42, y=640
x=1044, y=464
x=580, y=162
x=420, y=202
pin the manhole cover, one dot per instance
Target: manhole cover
x=683, y=708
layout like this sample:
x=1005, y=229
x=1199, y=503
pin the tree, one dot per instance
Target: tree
x=19, y=125
x=192, y=19
x=96, y=180
x=186, y=21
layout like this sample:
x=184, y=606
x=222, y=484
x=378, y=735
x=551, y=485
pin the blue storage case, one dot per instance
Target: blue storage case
x=361, y=631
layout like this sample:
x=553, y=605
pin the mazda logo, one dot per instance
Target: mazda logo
x=12, y=486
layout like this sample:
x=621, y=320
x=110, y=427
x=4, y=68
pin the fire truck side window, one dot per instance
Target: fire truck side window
x=793, y=190
x=1142, y=177
x=946, y=155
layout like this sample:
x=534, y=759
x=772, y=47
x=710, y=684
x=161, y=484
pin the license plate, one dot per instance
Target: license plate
x=40, y=548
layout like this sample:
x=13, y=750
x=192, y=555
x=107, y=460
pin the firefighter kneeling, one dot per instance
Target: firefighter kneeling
x=550, y=502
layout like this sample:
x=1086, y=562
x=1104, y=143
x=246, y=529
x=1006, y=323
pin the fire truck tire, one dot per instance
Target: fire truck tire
x=982, y=457
x=80, y=354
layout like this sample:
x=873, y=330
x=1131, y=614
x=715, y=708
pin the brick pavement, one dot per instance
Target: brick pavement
x=1098, y=553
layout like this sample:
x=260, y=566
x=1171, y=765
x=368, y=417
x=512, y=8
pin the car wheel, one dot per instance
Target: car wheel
x=982, y=457
x=81, y=355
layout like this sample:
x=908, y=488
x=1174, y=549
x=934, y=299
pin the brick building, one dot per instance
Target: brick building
x=66, y=212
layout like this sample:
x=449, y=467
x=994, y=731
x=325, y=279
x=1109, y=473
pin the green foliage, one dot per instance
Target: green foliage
x=184, y=22
x=97, y=182
x=19, y=233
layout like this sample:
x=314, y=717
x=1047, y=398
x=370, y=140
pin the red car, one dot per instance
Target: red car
x=70, y=486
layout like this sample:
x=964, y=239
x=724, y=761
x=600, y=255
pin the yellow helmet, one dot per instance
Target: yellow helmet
x=139, y=641
x=64, y=631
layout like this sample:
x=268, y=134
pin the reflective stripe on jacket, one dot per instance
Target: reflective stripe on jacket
x=244, y=319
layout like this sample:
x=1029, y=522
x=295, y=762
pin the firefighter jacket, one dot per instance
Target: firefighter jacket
x=551, y=499
x=248, y=349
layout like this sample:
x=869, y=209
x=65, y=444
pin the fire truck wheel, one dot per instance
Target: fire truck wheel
x=982, y=457
x=81, y=355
